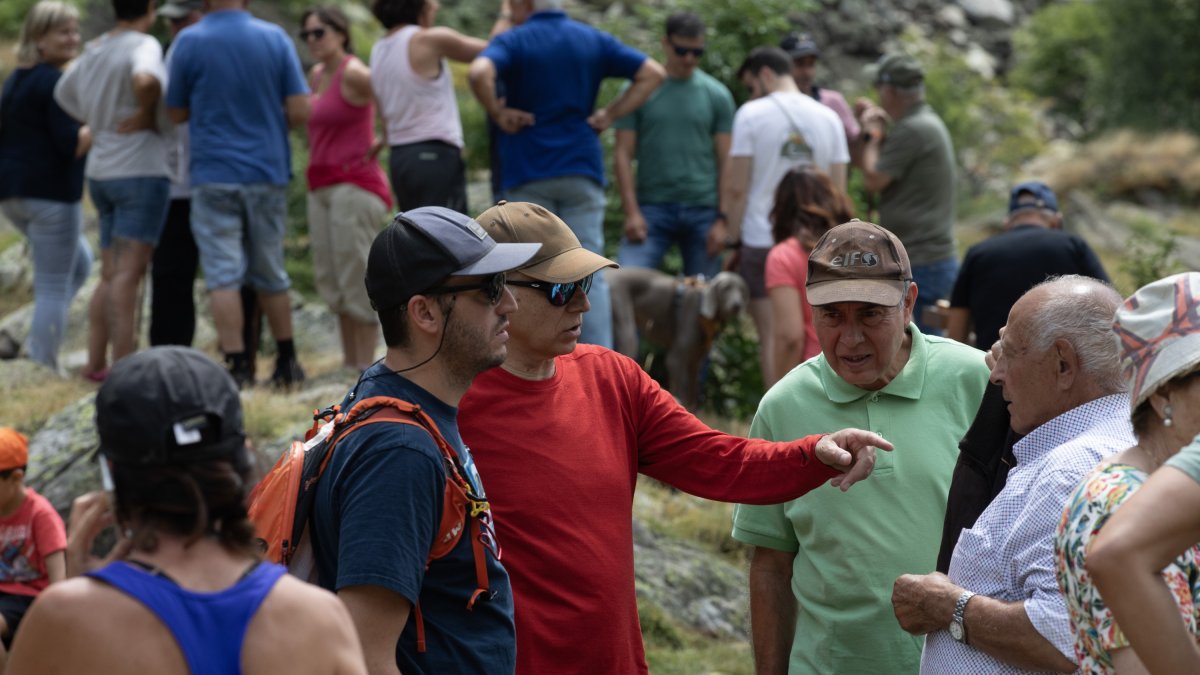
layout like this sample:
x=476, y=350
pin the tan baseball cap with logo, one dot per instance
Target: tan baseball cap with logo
x=561, y=258
x=858, y=262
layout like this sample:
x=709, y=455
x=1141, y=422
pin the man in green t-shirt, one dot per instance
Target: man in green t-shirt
x=680, y=138
x=823, y=565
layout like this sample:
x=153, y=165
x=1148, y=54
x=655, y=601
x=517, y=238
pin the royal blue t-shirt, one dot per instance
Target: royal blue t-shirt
x=552, y=67
x=233, y=73
x=376, y=514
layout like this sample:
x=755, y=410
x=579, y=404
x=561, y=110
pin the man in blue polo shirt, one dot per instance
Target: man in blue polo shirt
x=550, y=153
x=238, y=82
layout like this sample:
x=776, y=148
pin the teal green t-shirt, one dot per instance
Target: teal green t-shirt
x=1187, y=460
x=851, y=546
x=676, y=162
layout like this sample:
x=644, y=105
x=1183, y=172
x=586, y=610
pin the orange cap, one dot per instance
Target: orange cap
x=14, y=449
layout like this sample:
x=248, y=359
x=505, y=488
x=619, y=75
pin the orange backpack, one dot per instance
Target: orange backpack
x=281, y=504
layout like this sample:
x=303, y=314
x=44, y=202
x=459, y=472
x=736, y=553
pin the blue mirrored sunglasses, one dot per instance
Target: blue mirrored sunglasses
x=557, y=294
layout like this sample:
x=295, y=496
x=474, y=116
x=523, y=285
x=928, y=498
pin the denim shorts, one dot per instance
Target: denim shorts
x=239, y=230
x=131, y=208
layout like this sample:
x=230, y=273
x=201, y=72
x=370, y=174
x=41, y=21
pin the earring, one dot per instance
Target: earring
x=1167, y=416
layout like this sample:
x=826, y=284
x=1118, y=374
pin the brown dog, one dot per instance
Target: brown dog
x=683, y=315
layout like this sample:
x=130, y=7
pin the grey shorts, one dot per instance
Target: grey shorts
x=752, y=266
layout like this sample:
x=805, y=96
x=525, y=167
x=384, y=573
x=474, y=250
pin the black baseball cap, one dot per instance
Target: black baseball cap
x=799, y=45
x=421, y=247
x=169, y=405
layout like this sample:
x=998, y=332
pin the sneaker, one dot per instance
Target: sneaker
x=288, y=373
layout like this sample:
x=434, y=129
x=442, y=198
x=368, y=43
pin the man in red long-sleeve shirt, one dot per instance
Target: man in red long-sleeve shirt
x=561, y=431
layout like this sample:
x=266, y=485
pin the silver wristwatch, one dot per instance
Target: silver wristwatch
x=958, y=629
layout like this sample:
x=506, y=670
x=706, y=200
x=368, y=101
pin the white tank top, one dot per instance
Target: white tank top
x=414, y=108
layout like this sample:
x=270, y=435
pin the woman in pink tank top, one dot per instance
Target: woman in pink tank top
x=348, y=195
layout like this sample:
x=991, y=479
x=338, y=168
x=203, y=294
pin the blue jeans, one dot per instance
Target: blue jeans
x=239, y=230
x=61, y=262
x=131, y=208
x=934, y=282
x=667, y=224
x=579, y=201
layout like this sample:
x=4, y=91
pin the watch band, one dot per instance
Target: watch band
x=958, y=628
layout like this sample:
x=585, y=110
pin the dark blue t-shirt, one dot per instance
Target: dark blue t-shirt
x=233, y=73
x=552, y=67
x=37, y=139
x=376, y=514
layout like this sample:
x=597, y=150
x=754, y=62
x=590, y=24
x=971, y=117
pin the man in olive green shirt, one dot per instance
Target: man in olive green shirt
x=680, y=138
x=908, y=158
x=823, y=565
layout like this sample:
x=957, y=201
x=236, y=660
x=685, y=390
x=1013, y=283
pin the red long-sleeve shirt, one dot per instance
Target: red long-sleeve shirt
x=559, y=460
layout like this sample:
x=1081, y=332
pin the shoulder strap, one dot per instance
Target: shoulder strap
x=787, y=114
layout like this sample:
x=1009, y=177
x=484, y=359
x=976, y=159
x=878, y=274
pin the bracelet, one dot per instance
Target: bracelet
x=733, y=244
x=869, y=135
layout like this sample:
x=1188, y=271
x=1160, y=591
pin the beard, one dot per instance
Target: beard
x=468, y=349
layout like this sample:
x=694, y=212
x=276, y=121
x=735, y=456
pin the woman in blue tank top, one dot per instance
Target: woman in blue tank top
x=184, y=592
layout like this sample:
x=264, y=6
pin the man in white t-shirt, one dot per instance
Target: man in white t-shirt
x=778, y=130
x=116, y=88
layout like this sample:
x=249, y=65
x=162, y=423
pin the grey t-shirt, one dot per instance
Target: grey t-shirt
x=1187, y=460
x=98, y=90
x=918, y=205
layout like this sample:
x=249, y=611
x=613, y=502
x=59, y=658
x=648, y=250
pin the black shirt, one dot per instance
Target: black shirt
x=37, y=139
x=995, y=273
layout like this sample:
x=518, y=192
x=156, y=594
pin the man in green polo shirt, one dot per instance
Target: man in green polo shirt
x=823, y=566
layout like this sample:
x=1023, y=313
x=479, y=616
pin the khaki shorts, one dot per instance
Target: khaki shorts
x=343, y=220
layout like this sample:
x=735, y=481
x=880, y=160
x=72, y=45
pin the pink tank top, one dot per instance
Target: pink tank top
x=340, y=137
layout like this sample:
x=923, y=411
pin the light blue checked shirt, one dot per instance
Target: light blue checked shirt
x=1009, y=554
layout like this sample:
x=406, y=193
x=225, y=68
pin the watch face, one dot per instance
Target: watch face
x=956, y=630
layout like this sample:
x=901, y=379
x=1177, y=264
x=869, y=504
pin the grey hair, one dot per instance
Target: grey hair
x=542, y=5
x=41, y=19
x=1080, y=310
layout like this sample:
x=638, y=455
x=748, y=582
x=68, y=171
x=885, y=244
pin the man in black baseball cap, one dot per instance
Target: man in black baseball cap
x=437, y=280
x=805, y=53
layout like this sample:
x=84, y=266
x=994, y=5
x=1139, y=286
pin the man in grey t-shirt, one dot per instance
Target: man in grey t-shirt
x=908, y=158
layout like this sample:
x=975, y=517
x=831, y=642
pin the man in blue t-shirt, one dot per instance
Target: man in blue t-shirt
x=550, y=151
x=437, y=281
x=238, y=83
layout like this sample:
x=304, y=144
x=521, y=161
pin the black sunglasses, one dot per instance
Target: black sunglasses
x=684, y=51
x=316, y=34
x=558, y=294
x=493, y=288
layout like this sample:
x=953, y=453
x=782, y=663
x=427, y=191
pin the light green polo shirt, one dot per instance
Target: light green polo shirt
x=850, y=547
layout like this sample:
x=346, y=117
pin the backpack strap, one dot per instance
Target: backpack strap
x=389, y=409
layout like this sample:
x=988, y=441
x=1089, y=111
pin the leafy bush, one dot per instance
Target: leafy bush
x=1057, y=54
x=1152, y=253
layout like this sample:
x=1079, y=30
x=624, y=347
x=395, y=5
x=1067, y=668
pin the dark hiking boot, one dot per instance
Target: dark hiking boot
x=288, y=373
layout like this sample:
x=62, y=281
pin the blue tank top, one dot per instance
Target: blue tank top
x=209, y=627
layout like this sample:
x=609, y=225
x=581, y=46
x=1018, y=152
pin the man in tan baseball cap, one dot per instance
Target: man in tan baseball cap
x=877, y=371
x=562, y=430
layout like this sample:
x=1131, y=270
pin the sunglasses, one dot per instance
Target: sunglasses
x=492, y=287
x=684, y=51
x=558, y=294
x=316, y=34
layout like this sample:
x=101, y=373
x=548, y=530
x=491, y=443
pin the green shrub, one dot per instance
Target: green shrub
x=1152, y=253
x=1057, y=57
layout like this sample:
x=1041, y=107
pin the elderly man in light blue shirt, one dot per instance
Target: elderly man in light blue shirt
x=999, y=610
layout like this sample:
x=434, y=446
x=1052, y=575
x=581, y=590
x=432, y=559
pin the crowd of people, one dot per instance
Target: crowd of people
x=1024, y=506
